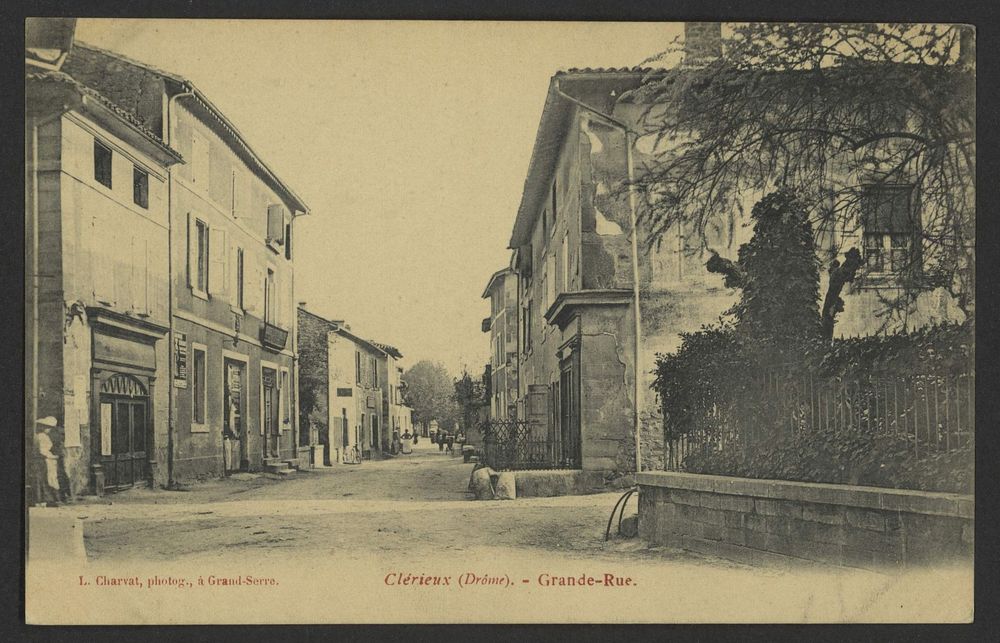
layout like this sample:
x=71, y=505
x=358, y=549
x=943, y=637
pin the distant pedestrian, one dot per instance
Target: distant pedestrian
x=47, y=463
x=451, y=444
x=440, y=440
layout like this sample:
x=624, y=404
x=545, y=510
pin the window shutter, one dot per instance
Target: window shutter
x=252, y=287
x=217, y=250
x=234, y=274
x=276, y=222
x=192, y=249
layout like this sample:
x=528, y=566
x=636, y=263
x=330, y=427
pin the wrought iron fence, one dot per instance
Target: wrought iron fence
x=935, y=413
x=510, y=445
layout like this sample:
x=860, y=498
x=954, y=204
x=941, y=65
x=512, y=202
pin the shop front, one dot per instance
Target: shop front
x=123, y=381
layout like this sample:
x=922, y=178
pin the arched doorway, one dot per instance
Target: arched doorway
x=124, y=431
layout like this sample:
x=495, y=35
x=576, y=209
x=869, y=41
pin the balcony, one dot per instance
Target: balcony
x=273, y=337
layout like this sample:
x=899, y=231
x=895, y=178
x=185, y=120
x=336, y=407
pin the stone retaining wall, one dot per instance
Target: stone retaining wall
x=565, y=482
x=760, y=521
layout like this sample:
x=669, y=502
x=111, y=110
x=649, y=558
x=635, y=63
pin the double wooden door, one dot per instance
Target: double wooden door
x=124, y=455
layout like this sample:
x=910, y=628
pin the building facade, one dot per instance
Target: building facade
x=573, y=261
x=343, y=376
x=501, y=290
x=390, y=384
x=97, y=323
x=232, y=326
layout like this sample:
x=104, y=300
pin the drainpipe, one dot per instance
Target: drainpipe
x=629, y=140
x=171, y=395
x=296, y=421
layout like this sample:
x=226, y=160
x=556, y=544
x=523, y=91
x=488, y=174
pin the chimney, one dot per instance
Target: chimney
x=702, y=42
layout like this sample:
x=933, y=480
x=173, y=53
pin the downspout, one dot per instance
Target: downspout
x=629, y=134
x=296, y=420
x=171, y=395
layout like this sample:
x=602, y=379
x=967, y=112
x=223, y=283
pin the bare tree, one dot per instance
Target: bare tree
x=862, y=121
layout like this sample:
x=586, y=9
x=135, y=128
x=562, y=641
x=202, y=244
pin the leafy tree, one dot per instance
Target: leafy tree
x=823, y=109
x=429, y=391
x=778, y=273
x=470, y=395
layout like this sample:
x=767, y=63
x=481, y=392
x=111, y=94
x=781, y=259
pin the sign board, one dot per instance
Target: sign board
x=180, y=360
x=345, y=392
x=371, y=401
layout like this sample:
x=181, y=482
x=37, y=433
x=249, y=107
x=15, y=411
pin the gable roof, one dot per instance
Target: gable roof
x=557, y=115
x=493, y=280
x=339, y=328
x=389, y=350
x=106, y=112
x=222, y=124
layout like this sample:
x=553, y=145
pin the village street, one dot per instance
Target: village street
x=389, y=527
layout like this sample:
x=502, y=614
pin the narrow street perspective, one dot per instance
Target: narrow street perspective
x=439, y=321
x=414, y=517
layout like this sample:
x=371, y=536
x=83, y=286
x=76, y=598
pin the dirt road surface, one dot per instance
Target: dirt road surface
x=401, y=540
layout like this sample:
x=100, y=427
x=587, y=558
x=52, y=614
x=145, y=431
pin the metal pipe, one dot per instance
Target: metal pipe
x=637, y=318
x=171, y=396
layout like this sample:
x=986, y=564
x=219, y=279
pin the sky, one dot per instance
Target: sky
x=409, y=141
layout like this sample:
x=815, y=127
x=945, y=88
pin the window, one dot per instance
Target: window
x=239, y=279
x=374, y=370
x=140, y=187
x=199, y=278
x=357, y=366
x=889, y=227
x=276, y=223
x=545, y=226
x=102, y=163
x=198, y=387
x=288, y=241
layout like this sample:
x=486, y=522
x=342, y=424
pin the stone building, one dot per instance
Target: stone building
x=578, y=275
x=390, y=383
x=230, y=252
x=501, y=290
x=342, y=380
x=96, y=214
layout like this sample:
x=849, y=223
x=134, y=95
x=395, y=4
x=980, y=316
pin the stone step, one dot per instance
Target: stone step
x=281, y=472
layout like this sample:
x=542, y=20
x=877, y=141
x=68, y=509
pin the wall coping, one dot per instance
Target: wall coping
x=901, y=500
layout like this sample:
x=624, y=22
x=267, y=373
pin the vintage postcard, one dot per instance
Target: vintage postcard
x=340, y=321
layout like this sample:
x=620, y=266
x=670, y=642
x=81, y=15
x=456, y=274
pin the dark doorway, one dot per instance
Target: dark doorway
x=124, y=432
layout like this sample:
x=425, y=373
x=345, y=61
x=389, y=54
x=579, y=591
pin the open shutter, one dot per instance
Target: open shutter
x=276, y=222
x=192, y=249
x=234, y=274
x=217, y=250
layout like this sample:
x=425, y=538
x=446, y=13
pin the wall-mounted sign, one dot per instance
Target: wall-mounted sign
x=345, y=392
x=371, y=401
x=180, y=360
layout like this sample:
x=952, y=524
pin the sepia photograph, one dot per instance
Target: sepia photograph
x=444, y=321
